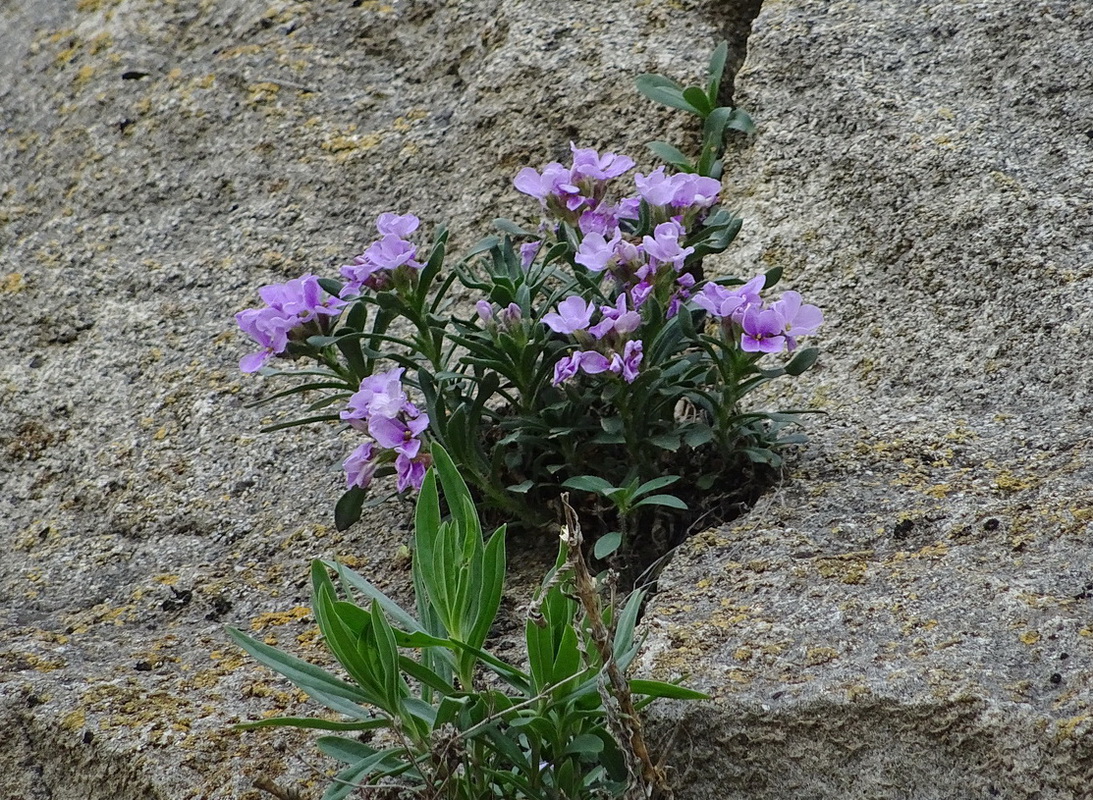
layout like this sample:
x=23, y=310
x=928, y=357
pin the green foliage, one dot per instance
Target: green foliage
x=717, y=120
x=449, y=718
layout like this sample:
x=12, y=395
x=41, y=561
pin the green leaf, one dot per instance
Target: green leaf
x=280, y=426
x=697, y=98
x=307, y=676
x=315, y=722
x=668, y=690
x=698, y=434
x=510, y=227
x=588, y=483
x=665, y=441
x=655, y=483
x=586, y=744
x=331, y=287
x=483, y=246
x=348, y=508
x=667, y=500
x=740, y=121
x=607, y=544
x=347, y=751
x=771, y=277
x=802, y=361
x=662, y=90
x=670, y=155
x=521, y=488
x=716, y=70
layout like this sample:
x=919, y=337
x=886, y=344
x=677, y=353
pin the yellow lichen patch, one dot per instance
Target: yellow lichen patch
x=166, y=579
x=100, y=42
x=39, y=663
x=1007, y=482
x=346, y=145
x=262, y=93
x=1030, y=637
x=844, y=570
x=94, y=5
x=229, y=661
x=74, y=720
x=1067, y=727
x=815, y=656
x=279, y=618
x=935, y=550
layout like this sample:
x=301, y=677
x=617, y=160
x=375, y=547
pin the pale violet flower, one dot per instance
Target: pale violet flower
x=762, y=331
x=380, y=395
x=663, y=246
x=528, y=252
x=591, y=165
x=389, y=224
x=616, y=319
x=359, y=467
x=554, y=180
x=574, y=314
x=595, y=252
x=800, y=320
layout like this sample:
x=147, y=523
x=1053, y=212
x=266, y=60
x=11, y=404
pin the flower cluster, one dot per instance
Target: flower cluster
x=296, y=309
x=574, y=317
x=762, y=329
x=374, y=267
x=382, y=408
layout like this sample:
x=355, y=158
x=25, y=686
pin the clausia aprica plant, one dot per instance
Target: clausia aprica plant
x=427, y=709
x=598, y=357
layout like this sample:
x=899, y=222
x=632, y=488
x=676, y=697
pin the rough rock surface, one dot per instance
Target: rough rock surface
x=889, y=623
x=910, y=615
x=159, y=161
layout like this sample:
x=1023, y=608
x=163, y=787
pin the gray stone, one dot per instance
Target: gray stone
x=921, y=170
x=909, y=614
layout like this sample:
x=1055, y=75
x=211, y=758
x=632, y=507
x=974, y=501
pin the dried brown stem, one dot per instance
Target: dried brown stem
x=647, y=780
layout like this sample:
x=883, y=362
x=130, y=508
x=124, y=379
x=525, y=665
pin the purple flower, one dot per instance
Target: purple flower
x=694, y=191
x=718, y=301
x=566, y=367
x=628, y=208
x=762, y=331
x=485, y=311
x=391, y=252
x=379, y=395
x=386, y=254
x=509, y=317
x=627, y=364
x=554, y=180
x=640, y=293
x=588, y=361
x=288, y=306
x=595, y=252
x=399, y=434
x=616, y=318
x=657, y=189
x=800, y=320
x=574, y=314
x=389, y=224
x=528, y=252
x=302, y=298
x=359, y=467
x=411, y=471
x=269, y=328
x=601, y=220
x=590, y=164
x=663, y=245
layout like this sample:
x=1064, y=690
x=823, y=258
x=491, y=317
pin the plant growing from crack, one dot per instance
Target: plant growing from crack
x=597, y=357
x=444, y=717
